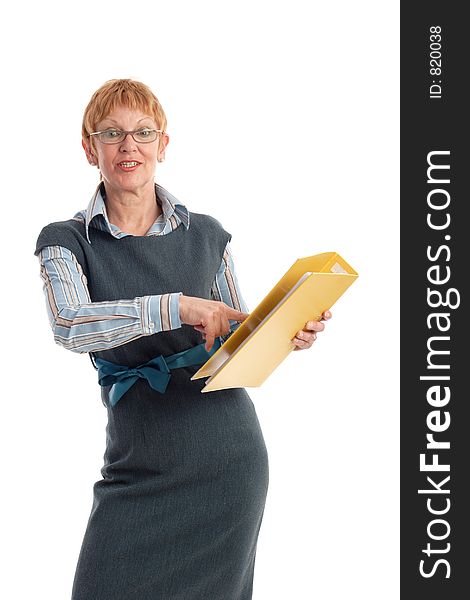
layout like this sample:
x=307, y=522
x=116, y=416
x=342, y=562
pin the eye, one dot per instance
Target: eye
x=111, y=134
x=144, y=133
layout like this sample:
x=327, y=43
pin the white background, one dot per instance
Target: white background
x=283, y=122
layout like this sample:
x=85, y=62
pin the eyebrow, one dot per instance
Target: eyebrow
x=114, y=121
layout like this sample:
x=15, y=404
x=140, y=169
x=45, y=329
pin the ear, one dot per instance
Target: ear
x=163, y=144
x=89, y=153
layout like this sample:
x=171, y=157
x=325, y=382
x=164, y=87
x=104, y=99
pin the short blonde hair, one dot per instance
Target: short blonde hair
x=121, y=92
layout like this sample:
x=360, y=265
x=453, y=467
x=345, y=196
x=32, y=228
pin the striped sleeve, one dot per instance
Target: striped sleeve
x=81, y=325
x=226, y=288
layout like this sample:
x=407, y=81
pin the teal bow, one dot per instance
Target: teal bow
x=156, y=371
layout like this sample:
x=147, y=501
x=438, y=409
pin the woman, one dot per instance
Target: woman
x=131, y=279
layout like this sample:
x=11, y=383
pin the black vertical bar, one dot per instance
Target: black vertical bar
x=434, y=262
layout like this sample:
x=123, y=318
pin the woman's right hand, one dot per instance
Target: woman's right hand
x=210, y=317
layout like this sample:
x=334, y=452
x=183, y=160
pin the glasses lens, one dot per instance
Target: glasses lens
x=145, y=135
x=115, y=136
x=111, y=136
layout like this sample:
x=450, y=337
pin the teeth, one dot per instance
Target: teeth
x=128, y=164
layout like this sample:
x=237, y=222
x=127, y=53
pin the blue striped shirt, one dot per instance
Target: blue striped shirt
x=81, y=325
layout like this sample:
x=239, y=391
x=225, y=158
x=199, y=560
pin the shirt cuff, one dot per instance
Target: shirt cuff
x=161, y=312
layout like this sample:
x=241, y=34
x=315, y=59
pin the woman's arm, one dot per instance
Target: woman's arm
x=226, y=289
x=81, y=325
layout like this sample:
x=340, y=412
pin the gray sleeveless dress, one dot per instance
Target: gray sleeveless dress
x=177, y=512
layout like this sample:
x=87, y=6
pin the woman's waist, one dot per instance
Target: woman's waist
x=182, y=429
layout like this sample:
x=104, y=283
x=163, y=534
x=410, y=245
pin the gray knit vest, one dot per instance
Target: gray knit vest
x=185, y=260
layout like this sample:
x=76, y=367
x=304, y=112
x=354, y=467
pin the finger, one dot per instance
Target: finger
x=235, y=315
x=306, y=336
x=315, y=326
x=209, y=342
x=302, y=344
x=326, y=315
x=224, y=325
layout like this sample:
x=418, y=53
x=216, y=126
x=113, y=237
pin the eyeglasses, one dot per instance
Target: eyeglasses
x=116, y=136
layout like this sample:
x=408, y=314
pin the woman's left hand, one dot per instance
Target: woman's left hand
x=306, y=336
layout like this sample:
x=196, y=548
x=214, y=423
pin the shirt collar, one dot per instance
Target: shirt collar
x=170, y=205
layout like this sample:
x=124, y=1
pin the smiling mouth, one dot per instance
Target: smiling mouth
x=128, y=165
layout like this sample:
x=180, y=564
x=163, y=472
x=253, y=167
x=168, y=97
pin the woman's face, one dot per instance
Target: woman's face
x=129, y=165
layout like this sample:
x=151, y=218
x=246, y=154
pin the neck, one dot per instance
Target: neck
x=133, y=211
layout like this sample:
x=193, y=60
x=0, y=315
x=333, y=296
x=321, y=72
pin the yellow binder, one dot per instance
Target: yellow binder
x=263, y=340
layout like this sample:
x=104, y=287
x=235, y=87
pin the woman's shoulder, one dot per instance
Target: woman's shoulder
x=205, y=220
x=210, y=229
x=61, y=233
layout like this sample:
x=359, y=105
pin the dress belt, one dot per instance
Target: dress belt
x=156, y=370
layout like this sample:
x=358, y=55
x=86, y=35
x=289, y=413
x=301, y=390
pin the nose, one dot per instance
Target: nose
x=128, y=144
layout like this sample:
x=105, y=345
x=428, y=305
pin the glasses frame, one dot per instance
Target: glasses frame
x=126, y=133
